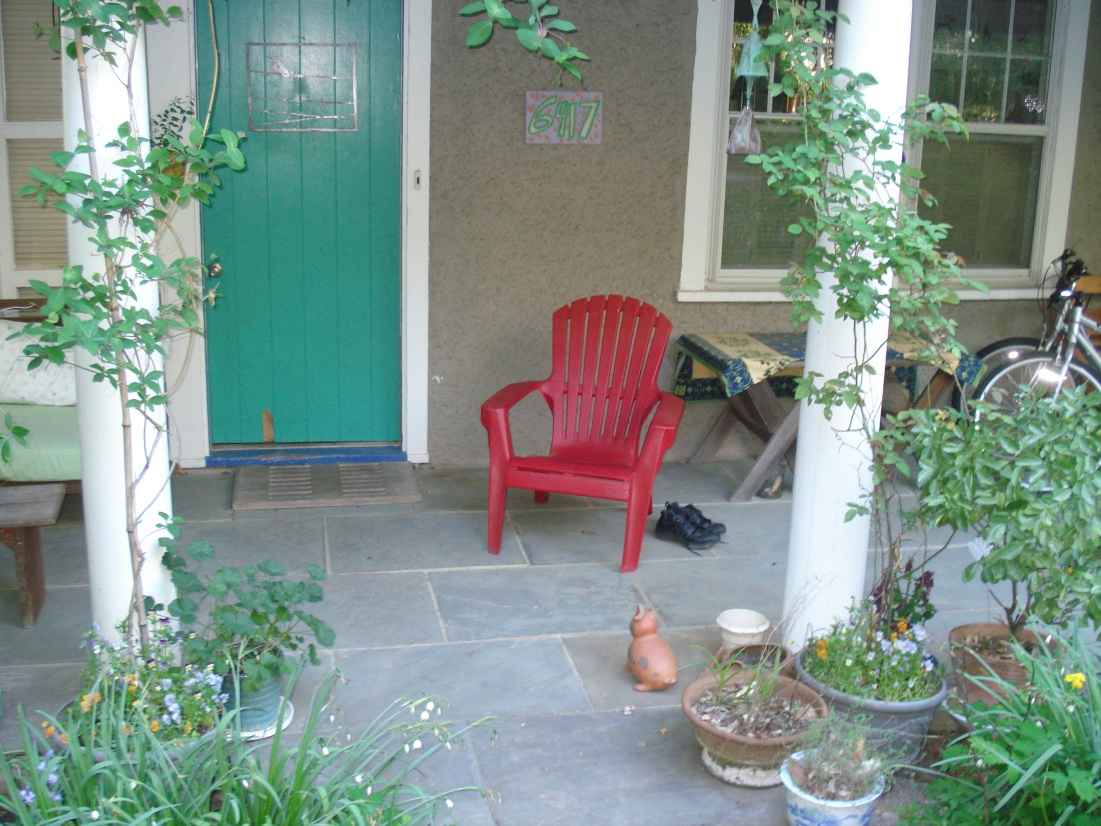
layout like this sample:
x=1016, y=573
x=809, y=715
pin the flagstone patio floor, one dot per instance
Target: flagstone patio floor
x=534, y=639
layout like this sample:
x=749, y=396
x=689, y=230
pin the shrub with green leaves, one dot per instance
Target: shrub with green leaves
x=245, y=620
x=1034, y=757
x=1026, y=481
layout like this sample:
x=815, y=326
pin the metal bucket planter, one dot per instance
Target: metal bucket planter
x=259, y=709
x=897, y=726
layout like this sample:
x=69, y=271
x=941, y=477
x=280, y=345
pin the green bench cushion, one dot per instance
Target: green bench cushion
x=52, y=451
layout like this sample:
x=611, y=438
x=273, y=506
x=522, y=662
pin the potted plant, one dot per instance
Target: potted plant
x=875, y=665
x=246, y=622
x=1025, y=481
x=748, y=719
x=837, y=776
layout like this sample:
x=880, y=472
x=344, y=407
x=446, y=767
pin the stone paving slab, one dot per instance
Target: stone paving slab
x=533, y=601
x=594, y=535
x=641, y=769
x=418, y=541
x=486, y=679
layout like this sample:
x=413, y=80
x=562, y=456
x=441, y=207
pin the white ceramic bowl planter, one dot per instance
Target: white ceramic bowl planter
x=804, y=809
x=740, y=626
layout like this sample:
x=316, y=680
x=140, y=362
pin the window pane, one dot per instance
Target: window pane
x=950, y=25
x=989, y=26
x=32, y=73
x=997, y=54
x=755, y=219
x=983, y=89
x=39, y=230
x=987, y=189
x=944, y=80
x=1027, y=84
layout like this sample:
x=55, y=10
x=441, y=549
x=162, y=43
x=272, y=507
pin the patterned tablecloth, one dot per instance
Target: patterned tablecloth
x=721, y=365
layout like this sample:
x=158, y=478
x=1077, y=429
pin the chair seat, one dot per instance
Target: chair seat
x=550, y=475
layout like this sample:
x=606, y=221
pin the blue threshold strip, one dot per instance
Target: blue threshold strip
x=305, y=455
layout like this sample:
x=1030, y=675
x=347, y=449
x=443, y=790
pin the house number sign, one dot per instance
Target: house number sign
x=564, y=117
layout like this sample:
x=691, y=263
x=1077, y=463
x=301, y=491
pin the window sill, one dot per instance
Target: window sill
x=717, y=296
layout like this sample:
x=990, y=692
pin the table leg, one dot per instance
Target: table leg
x=781, y=442
x=28, y=570
x=715, y=436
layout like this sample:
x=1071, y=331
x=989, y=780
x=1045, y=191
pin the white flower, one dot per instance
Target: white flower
x=359, y=778
x=407, y=748
x=425, y=715
x=416, y=744
x=430, y=705
x=324, y=751
x=979, y=547
x=94, y=814
x=449, y=803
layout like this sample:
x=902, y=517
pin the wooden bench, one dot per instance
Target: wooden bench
x=23, y=510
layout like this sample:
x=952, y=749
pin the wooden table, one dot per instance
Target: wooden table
x=23, y=509
x=739, y=367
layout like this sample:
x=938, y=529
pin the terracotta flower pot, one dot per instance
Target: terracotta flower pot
x=980, y=649
x=742, y=760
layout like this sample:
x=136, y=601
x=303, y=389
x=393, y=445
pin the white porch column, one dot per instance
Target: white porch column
x=98, y=407
x=828, y=557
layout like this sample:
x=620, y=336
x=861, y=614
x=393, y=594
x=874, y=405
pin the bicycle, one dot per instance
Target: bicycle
x=1069, y=267
x=1053, y=365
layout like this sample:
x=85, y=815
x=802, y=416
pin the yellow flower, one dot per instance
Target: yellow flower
x=155, y=725
x=89, y=700
x=902, y=626
x=821, y=649
x=1076, y=680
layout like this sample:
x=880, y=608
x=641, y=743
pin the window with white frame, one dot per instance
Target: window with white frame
x=1014, y=67
x=32, y=236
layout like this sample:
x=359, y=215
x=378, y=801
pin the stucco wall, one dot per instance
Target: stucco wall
x=1084, y=232
x=518, y=230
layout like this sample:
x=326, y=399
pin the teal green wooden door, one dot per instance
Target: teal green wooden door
x=306, y=324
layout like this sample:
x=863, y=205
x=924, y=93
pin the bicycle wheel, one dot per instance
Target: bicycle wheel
x=1031, y=372
x=993, y=356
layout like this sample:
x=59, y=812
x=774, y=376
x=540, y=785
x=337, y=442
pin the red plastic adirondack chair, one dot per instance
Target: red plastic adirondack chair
x=603, y=385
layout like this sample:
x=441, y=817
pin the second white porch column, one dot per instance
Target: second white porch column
x=98, y=406
x=828, y=557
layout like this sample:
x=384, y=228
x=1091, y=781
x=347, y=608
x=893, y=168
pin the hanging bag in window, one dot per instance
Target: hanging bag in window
x=745, y=139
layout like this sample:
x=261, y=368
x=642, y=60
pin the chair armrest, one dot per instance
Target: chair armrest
x=507, y=397
x=662, y=431
x=495, y=418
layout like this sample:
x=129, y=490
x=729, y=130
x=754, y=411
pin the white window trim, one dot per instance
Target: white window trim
x=701, y=279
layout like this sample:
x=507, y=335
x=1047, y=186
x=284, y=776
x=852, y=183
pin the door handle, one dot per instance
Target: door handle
x=215, y=270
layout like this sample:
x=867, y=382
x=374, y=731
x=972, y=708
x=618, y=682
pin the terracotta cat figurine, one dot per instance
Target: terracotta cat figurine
x=649, y=658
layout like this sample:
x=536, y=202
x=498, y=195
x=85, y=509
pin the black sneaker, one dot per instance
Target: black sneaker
x=673, y=524
x=697, y=518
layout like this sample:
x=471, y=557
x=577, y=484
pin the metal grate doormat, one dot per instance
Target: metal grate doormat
x=324, y=486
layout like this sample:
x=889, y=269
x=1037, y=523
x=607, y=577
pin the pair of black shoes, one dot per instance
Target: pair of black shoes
x=685, y=524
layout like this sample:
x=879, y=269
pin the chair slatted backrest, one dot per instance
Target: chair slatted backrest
x=607, y=351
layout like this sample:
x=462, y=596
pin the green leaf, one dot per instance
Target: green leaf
x=529, y=38
x=479, y=33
